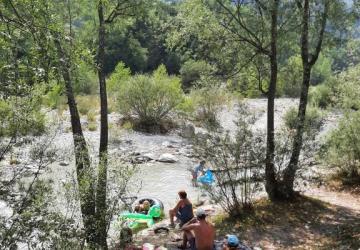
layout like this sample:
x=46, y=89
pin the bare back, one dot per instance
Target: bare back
x=204, y=235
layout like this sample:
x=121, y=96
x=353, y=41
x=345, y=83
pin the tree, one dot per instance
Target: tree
x=308, y=61
x=121, y=8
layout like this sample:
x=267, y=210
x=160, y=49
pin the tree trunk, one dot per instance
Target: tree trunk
x=82, y=158
x=308, y=61
x=271, y=182
x=101, y=207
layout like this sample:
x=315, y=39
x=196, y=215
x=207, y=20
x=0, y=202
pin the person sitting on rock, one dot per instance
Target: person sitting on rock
x=183, y=210
x=199, y=232
x=231, y=242
x=143, y=207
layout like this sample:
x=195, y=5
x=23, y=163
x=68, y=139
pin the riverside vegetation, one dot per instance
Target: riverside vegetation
x=160, y=67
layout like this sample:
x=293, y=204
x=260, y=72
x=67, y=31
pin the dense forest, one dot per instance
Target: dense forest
x=98, y=96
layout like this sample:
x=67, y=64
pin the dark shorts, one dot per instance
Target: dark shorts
x=192, y=244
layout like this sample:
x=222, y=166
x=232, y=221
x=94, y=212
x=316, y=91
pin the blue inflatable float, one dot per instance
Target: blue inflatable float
x=207, y=178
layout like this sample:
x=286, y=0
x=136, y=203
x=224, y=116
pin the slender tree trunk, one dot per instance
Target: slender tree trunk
x=101, y=207
x=271, y=182
x=308, y=60
x=82, y=158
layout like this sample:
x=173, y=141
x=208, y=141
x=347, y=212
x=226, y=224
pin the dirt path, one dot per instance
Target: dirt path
x=336, y=198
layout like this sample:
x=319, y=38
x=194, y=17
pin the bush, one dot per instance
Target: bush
x=313, y=119
x=86, y=80
x=150, y=98
x=349, y=88
x=91, y=116
x=321, y=96
x=21, y=116
x=342, y=147
x=92, y=126
x=86, y=104
x=236, y=162
x=54, y=97
x=208, y=101
x=290, y=78
x=191, y=71
x=120, y=75
x=246, y=84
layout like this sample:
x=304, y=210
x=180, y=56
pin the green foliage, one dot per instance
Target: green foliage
x=313, y=119
x=245, y=84
x=20, y=117
x=208, y=101
x=191, y=71
x=91, y=116
x=342, y=148
x=86, y=104
x=150, y=98
x=237, y=160
x=290, y=78
x=116, y=79
x=92, y=126
x=54, y=97
x=321, y=71
x=86, y=80
x=321, y=96
x=349, y=88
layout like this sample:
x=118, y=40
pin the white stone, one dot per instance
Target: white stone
x=169, y=158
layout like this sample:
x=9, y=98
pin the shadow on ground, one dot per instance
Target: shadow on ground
x=306, y=223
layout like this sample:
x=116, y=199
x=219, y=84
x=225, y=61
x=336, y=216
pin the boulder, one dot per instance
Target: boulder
x=169, y=158
x=187, y=130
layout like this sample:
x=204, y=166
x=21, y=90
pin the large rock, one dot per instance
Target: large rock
x=187, y=130
x=169, y=158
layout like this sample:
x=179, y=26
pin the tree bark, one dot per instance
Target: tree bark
x=82, y=158
x=270, y=176
x=101, y=206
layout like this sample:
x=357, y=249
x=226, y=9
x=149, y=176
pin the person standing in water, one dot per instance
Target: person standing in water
x=198, y=171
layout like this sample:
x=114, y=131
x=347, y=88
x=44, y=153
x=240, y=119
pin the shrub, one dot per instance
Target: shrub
x=85, y=104
x=120, y=75
x=21, y=116
x=86, y=80
x=92, y=126
x=349, y=88
x=313, y=119
x=150, y=98
x=236, y=162
x=290, y=78
x=191, y=71
x=91, y=116
x=321, y=96
x=342, y=147
x=54, y=97
x=208, y=101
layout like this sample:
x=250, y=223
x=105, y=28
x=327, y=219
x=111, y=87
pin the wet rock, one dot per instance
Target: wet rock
x=168, y=158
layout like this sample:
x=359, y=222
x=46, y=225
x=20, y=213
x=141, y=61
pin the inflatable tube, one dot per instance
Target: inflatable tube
x=153, y=201
x=207, y=178
x=135, y=220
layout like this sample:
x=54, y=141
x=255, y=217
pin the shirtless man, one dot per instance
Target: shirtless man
x=199, y=232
